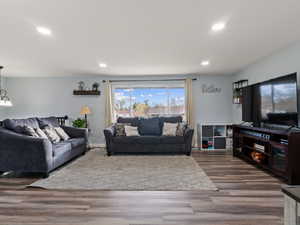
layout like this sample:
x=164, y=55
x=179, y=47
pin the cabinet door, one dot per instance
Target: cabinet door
x=279, y=157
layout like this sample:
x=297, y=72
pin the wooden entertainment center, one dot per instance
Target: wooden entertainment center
x=277, y=151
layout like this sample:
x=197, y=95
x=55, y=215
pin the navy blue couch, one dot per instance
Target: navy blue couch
x=25, y=154
x=151, y=139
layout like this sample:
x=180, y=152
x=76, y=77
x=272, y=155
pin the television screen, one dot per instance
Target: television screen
x=279, y=100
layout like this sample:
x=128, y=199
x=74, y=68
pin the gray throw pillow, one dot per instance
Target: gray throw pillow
x=120, y=129
x=51, y=134
x=131, y=131
x=169, y=129
x=61, y=133
x=41, y=133
x=181, y=127
x=29, y=131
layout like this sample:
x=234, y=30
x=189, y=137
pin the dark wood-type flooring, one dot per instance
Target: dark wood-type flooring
x=247, y=196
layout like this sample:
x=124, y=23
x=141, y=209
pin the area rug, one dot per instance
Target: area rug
x=95, y=171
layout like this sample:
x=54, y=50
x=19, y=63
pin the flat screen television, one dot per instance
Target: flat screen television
x=279, y=101
x=274, y=102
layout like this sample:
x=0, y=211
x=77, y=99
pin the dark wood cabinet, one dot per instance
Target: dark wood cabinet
x=277, y=151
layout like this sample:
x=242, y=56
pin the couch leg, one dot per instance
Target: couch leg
x=108, y=153
x=188, y=154
x=45, y=175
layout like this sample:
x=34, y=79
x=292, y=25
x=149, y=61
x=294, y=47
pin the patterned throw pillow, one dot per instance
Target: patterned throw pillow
x=181, y=127
x=61, y=133
x=29, y=131
x=170, y=129
x=131, y=131
x=51, y=134
x=120, y=129
x=41, y=133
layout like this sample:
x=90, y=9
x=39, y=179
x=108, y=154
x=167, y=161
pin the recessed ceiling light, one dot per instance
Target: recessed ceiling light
x=218, y=26
x=44, y=31
x=102, y=65
x=205, y=63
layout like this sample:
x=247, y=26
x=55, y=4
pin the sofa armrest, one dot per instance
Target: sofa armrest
x=188, y=134
x=76, y=132
x=188, y=139
x=24, y=153
x=109, y=133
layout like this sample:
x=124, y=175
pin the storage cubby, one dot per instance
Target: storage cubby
x=215, y=136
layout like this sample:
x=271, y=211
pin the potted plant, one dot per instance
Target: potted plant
x=95, y=86
x=79, y=123
x=81, y=85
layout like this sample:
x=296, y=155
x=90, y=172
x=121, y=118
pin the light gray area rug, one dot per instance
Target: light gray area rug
x=95, y=171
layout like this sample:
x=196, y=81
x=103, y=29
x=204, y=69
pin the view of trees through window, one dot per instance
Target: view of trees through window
x=278, y=98
x=149, y=101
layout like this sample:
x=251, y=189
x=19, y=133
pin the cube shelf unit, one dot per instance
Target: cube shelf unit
x=214, y=136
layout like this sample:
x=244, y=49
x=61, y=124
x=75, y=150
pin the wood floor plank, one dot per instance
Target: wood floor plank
x=246, y=196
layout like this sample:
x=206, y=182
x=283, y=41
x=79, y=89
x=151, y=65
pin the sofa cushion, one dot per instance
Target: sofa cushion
x=61, y=148
x=169, y=129
x=46, y=121
x=133, y=121
x=75, y=142
x=148, y=140
x=17, y=125
x=51, y=134
x=172, y=140
x=61, y=133
x=170, y=119
x=29, y=131
x=125, y=140
x=150, y=126
x=131, y=131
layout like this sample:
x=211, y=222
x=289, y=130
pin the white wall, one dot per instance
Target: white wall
x=279, y=64
x=53, y=96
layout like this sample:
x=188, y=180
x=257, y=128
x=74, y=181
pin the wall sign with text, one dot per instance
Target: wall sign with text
x=210, y=89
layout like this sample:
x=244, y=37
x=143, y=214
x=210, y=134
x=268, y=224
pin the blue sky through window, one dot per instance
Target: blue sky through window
x=149, y=101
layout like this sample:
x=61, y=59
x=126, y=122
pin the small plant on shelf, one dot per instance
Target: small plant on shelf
x=79, y=123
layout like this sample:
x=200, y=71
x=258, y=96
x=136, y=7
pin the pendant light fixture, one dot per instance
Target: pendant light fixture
x=4, y=99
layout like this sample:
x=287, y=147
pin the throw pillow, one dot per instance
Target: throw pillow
x=29, y=131
x=181, y=127
x=170, y=129
x=41, y=133
x=61, y=133
x=150, y=126
x=131, y=131
x=51, y=134
x=120, y=129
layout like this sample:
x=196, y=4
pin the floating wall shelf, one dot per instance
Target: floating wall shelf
x=78, y=92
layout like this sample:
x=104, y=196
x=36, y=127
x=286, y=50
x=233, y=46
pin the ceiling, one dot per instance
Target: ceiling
x=142, y=37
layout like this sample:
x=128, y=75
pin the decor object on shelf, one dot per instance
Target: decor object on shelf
x=4, y=99
x=81, y=85
x=95, y=86
x=237, y=88
x=85, y=110
x=79, y=123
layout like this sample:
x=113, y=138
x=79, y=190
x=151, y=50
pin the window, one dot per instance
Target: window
x=148, y=101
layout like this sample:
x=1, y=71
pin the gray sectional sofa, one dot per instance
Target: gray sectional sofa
x=150, y=139
x=25, y=154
